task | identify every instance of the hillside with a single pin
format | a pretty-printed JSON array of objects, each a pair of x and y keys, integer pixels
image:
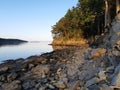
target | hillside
[{"x": 10, "y": 41}]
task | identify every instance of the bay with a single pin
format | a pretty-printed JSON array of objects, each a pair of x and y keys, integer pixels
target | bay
[{"x": 24, "y": 50}]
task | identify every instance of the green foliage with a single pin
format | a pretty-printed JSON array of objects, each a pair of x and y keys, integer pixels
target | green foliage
[{"x": 80, "y": 21}]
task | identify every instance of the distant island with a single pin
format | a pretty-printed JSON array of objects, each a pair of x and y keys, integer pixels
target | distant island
[{"x": 4, "y": 41}]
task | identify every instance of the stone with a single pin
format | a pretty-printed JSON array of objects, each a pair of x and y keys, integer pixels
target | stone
[
  {"x": 104, "y": 87},
  {"x": 116, "y": 77},
  {"x": 41, "y": 88},
  {"x": 31, "y": 66},
  {"x": 110, "y": 68},
  {"x": 116, "y": 80},
  {"x": 38, "y": 71},
  {"x": 102, "y": 75},
  {"x": 51, "y": 60},
  {"x": 76, "y": 85},
  {"x": 97, "y": 53},
  {"x": 51, "y": 86},
  {"x": 2, "y": 78},
  {"x": 84, "y": 88},
  {"x": 58, "y": 71},
  {"x": 1, "y": 84},
  {"x": 11, "y": 77},
  {"x": 94, "y": 87},
  {"x": 116, "y": 53},
  {"x": 15, "y": 85},
  {"x": 3, "y": 69},
  {"x": 92, "y": 81},
  {"x": 118, "y": 33},
  {"x": 60, "y": 85},
  {"x": 28, "y": 84}
]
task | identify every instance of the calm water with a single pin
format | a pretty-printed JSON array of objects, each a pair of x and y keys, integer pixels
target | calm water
[{"x": 24, "y": 50}]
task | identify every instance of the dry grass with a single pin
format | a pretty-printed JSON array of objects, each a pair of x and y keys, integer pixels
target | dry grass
[{"x": 69, "y": 42}]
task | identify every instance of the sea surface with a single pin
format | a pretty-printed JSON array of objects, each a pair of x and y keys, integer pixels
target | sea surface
[{"x": 24, "y": 50}]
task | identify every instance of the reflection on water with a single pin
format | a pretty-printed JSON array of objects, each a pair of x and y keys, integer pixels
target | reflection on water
[
  {"x": 12, "y": 45},
  {"x": 24, "y": 50}
]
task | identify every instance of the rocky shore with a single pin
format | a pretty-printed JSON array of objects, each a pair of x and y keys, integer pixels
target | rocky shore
[{"x": 76, "y": 68}]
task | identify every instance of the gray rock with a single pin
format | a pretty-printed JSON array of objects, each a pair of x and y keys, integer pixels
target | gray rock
[
  {"x": 97, "y": 53},
  {"x": 94, "y": 87},
  {"x": 84, "y": 88},
  {"x": 15, "y": 85},
  {"x": 11, "y": 77},
  {"x": 3, "y": 69},
  {"x": 92, "y": 81},
  {"x": 116, "y": 53},
  {"x": 110, "y": 68},
  {"x": 2, "y": 78},
  {"x": 50, "y": 86},
  {"x": 60, "y": 85},
  {"x": 116, "y": 77},
  {"x": 41, "y": 88},
  {"x": 28, "y": 84},
  {"x": 102, "y": 75},
  {"x": 38, "y": 71},
  {"x": 104, "y": 87}
]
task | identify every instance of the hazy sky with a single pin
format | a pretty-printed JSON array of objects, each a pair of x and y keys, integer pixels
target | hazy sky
[{"x": 31, "y": 19}]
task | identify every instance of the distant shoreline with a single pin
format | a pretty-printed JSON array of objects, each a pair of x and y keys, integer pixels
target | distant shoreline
[{"x": 11, "y": 41}]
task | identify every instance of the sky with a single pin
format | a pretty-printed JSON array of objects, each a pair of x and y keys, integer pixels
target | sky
[{"x": 31, "y": 19}]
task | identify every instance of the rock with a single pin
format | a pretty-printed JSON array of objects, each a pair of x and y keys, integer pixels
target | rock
[
  {"x": 117, "y": 47},
  {"x": 118, "y": 33},
  {"x": 3, "y": 69},
  {"x": 116, "y": 53},
  {"x": 1, "y": 84},
  {"x": 102, "y": 75},
  {"x": 15, "y": 85},
  {"x": 104, "y": 87},
  {"x": 51, "y": 86},
  {"x": 109, "y": 69},
  {"x": 75, "y": 86},
  {"x": 94, "y": 87},
  {"x": 31, "y": 66},
  {"x": 51, "y": 60},
  {"x": 116, "y": 77},
  {"x": 35, "y": 60},
  {"x": 38, "y": 71},
  {"x": 2, "y": 78},
  {"x": 118, "y": 42},
  {"x": 60, "y": 85},
  {"x": 28, "y": 84},
  {"x": 41, "y": 88},
  {"x": 97, "y": 53},
  {"x": 92, "y": 81},
  {"x": 84, "y": 88},
  {"x": 58, "y": 71},
  {"x": 11, "y": 77}
]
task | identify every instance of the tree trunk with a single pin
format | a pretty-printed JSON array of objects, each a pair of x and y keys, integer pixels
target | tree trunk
[
  {"x": 107, "y": 13},
  {"x": 117, "y": 6}
]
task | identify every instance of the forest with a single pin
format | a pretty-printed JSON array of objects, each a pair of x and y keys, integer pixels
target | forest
[{"x": 88, "y": 20}]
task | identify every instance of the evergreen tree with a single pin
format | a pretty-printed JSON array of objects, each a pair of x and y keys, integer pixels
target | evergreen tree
[{"x": 86, "y": 20}]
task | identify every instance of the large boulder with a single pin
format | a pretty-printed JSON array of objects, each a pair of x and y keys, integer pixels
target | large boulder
[
  {"x": 38, "y": 71},
  {"x": 116, "y": 77},
  {"x": 97, "y": 53},
  {"x": 15, "y": 85},
  {"x": 92, "y": 81}
]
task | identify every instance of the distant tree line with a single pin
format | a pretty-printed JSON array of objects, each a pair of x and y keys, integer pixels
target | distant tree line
[{"x": 88, "y": 19}]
